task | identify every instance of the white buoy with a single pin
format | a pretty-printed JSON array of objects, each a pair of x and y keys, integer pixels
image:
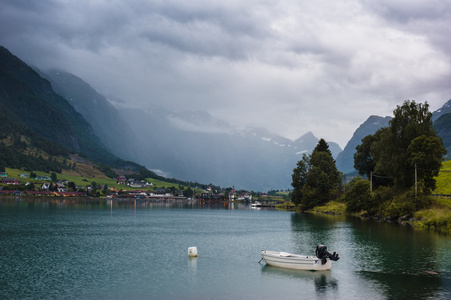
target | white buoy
[{"x": 192, "y": 252}]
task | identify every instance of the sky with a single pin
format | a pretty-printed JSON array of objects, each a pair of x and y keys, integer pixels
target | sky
[{"x": 287, "y": 66}]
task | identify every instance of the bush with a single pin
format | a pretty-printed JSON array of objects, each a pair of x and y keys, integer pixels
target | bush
[
  {"x": 406, "y": 204},
  {"x": 359, "y": 196},
  {"x": 382, "y": 195},
  {"x": 440, "y": 224}
]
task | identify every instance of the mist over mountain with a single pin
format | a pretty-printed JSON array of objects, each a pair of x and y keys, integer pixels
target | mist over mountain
[
  {"x": 106, "y": 122},
  {"x": 187, "y": 145},
  {"x": 195, "y": 146},
  {"x": 31, "y": 107}
]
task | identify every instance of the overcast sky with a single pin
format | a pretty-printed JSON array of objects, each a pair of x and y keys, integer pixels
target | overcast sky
[{"x": 289, "y": 66}]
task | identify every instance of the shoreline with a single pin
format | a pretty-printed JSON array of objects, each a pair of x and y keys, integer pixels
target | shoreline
[{"x": 435, "y": 219}]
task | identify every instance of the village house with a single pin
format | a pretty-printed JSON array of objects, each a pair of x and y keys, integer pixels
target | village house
[
  {"x": 135, "y": 184},
  {"x": 3, "y": 174},
  {"x": 12, "y": 181},
  {"x": 24, "y": 175},
  {"x": 232, "y": 194},
  {"x": 60, "y": 187},
  {"x": 139, "y": 184},
  {"x": 9, "y": 192},
  {"x": 160, "y": 191},
  {"x": 245, "y": 197},
  {"x": 121, "y": 179}
]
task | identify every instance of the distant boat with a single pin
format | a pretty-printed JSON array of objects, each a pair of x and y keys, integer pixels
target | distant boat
[
  {"x": 256, "y": 204},
  {"x": 319, "y": 262}
]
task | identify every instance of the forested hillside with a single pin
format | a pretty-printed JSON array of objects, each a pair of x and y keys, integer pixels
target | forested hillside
[
  {"x": 106, "y": 122},
  {"x": 36, "y": 122}
]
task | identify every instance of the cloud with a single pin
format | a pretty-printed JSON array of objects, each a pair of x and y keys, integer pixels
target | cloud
[{"x": 291, "y": 67}]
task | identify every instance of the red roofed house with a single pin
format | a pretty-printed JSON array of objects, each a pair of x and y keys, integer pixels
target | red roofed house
[{"x": 13, "y": 181}]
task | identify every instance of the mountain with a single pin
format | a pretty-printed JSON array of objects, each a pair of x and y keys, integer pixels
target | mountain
[
  {"x": 441, "y": 122},
  {"x": 345, "y": 160},
  {"x": 445, "y": 109},
  {"x": 195, "y": 146},
  {"x": 192, "y": 146},
  {"x": 103, "y": 117},
  {"x": 443, "y": 127},
  {"x": 188, "y": 145},
  {"x": 32, "y": 111}
]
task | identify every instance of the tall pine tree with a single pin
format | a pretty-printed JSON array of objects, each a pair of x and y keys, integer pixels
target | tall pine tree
[{"x": 315, "y": 178}]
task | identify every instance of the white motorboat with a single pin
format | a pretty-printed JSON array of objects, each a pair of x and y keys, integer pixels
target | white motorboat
[
  {"x": 256, "y": 204},
  {"x": 319, "y": 262}
]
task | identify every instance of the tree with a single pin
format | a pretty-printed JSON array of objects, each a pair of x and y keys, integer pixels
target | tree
[
  {"x": 410, "y": 121},
  {"x": 358, "y": 197},
  {"x": 426, "y": 154},
  {"x": 188, "y": 192},
  {"x": 299, "y": 178},
  {"x": 322, "y": 146},
  {"x": 315, "y": 178},
  {"x": 93, "y": 188},
  {"x": 105, "y": 189},
  {"x": 53, "y": 177},
  {"x": 363, "y": 160},
  {"x": 393, "y": 151},
  {"x": 71, "y": 186}
]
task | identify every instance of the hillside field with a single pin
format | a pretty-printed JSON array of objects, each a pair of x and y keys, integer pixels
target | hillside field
[
  {"x": 444, "y": 179},
  {"x": 99, "y": 178}
]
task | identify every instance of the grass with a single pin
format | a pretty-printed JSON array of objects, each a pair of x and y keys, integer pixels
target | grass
[
  {"x": 90, "y": 175},
  {"x": 444, "y": 179},
  {"x": 435, "y": 218},
  {"x": 287, "y": 205},
  {"x": 331, "y": 207},
  {"x": 272, "y": 197}
]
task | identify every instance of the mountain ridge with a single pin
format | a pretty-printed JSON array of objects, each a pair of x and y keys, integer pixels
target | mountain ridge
[
  {"x": 345, "y": 159},
  {"x": 191, "y": 146}
]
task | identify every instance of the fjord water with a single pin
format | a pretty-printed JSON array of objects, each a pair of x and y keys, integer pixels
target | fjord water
[{"x": 55, "y": 249}]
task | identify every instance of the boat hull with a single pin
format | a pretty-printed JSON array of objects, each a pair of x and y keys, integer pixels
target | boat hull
[{"x": 294, "y": 261}]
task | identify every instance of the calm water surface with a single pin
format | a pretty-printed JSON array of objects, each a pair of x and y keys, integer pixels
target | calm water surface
[{"x": 97, "y": 250}]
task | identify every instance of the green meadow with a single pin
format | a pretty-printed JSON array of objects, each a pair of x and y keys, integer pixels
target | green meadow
[
  {"x": 444, "y": 179},
  {"x": 83, "y": 181}
]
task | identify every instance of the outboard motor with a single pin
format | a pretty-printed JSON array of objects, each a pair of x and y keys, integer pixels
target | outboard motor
[{"x": 321, "y": 253}]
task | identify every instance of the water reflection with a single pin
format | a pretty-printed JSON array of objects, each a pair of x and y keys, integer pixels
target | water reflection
[
  {"x": 114, "y": 203},
  {"x": 69, "y": 248},
  {"x": 408, "y": 286},
  {"x": 400, "y": 262},
  {"x": 323, "y": 281},
  {"x": 309, "y": 230}
]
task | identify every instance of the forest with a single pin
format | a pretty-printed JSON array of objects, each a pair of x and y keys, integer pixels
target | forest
[{"x": 397, "y": 167}]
